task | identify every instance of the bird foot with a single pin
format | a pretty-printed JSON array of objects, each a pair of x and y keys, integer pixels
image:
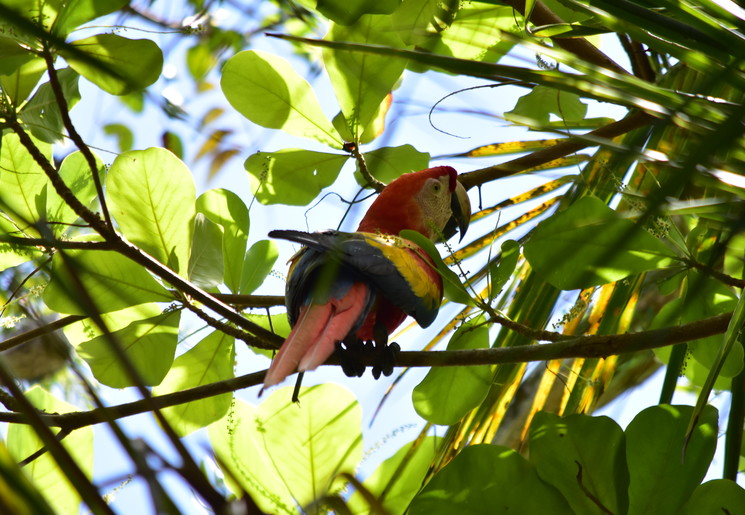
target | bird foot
[{"x": 354, "y": 352}]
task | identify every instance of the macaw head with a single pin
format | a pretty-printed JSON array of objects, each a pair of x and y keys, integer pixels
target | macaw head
[{"x": 432, "y": 202}]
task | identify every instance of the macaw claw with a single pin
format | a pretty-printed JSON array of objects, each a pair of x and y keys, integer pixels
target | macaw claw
[{"x": 354, "y": 352}]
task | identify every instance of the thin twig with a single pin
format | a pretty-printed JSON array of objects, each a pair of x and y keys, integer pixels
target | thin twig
[{"x": 72, "y": 132}]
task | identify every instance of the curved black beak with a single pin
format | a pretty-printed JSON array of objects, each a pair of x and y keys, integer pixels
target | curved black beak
[{"x": 460, "y": 213}]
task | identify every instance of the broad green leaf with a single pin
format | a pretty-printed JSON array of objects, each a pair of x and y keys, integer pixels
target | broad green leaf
[
  {"x": 362, "y": 81},
  {"x": 77, "y": 12},
  {"x": 226, "y": 209},
  {"x": 209, "y": 361},
  {"x": 206, "y": 259},
  {"x": 23, "y": 184},
  {"x": 282, "y": 451},
  {"x": 150, "y": 345},
  {"x": 21, "y": 78},
  {"x": 590, "y": 244},
  {"x": 277, "y": 323},
  {"x": 44, "y": 472},
  {"x": 388, "y": 163},
  {"x": 417, "y": 21},
  {"x": 238, "y": 442},
  {"x": 121, "y": 65},
  {"x": 86, "y": 329},
  {"x": 42, "y": 112},
  {"x": 582, "y": 456},
  {"x": 487, "y": 478},
  {"x": 717, "y": 496},
  {"x": 662, "y": 476},
  {"x": 259, "y": 261},
  {"x": 78, "y": 176},
  {"x": 265, "y": 89},
  {"x": 446, "y": 394},
  {"x": 500, "y": 272},
  {"x": 400, "y": 476},
  {"x": 292, "y": 176},
  {"x": 21, "y": 495},
  {"x": 536, "y": 107},
  {"x": 476, "y": 33},
  {"x": 375, "y": 128},
  {"x": 454, "y": 290},
  {"x": 111, "y": 280},
  {"x": 151, "y": 195},
  {"x": 346, "y": 13}
]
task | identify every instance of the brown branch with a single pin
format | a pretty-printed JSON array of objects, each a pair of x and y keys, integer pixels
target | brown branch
[
  {"x": 542, "y": 15},
  {"x": 72, "y": 132},
  {"x": 364, "y": 171},
  {"x": 23, "y": 337},
  {"x": 571, "y": 145},
  {"x": 716, "y": 274},
  {"x": 590, "y": 346}
]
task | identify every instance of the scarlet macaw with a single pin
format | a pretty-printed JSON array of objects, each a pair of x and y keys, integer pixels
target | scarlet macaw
[{"x": 360, "y": 286}]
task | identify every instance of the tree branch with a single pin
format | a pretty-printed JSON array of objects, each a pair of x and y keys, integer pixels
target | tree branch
[
  {"x": 571, "y": 145},
  {"x": 542, "y": 15},
  {"x": 589, "y": 346},
  {"x": 72, "y": 132}
]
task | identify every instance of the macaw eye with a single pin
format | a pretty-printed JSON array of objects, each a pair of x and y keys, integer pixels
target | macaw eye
[{"x": 436, "y": 186}]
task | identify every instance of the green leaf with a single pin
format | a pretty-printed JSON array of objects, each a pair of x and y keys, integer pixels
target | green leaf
[
  {"x": 476, "y": 33},
  {"x": 209, "y": 361},
  {"x": 226, "y": 209},
  {"x": 23, "y": 184},
  {"x": 292, "y": 176},
  {"x": 77, "y": 175},
  {"x": 487, "y": 478},
  {"x": 717, "y": 496},
  {"x": 42, "y": 112},
  {"x": 361, "y": 82},
  {"x": 388, "y": 163},
  {"x": 151, "y": 195},
  {"x": 206, "y": 259},
  {"x": 265, "y": 89},
  {"x": 259, "y": 261},
  {"x": 584, "y": 458},
  {"x": 277, "y": 323},
  {"x": 150, "y": 344},
  {"x": 283, "y": 453},
  {"x": 590, "y": 244},
  {"x": 121, "y": 65},
  {"x": 346, "y": 13},
  {"x": 77, "y": 12},
  {"x": 536, "y": 107},
  {"x": 21, "y": 493},
  {"x": 110, "y": 279},
  {"x": 399, "y": 477},
  {"x": 417, "y": 21},
  {"x": 446, "y": 394},
  {"x": 662, "y": 476},
  {"x": 19, "y": 77},
  {"x": 44, "y": 472},
  {"x": 454, "y": 290},
  {"x": 501, "y": 271}
]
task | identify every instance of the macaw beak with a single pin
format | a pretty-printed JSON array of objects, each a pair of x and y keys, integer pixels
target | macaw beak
[{"x": 460, "y": 209}]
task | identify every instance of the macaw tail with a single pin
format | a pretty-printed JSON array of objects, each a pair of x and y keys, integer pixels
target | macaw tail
[{"x": 316, "y": 332}]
